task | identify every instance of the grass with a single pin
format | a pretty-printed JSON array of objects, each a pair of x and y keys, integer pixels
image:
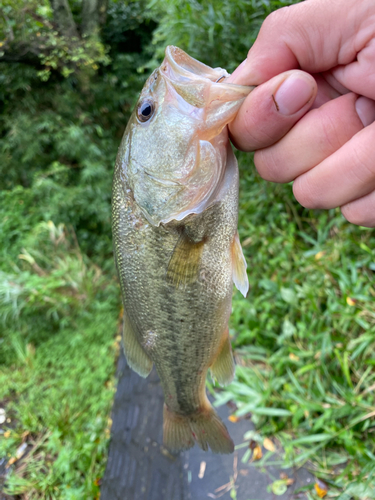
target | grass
[
  {"x": 304, "y": 342},
  {"x": 57, "y": 376},
  {"x": 62, "y": 398}
]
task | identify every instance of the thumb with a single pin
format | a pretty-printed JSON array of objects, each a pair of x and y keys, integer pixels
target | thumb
[
  {"x": 271, "y": 110},
  {"x": 314, "y": 36}
]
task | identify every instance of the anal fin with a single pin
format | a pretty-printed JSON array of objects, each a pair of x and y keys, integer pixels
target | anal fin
[
  {"x": 135, "y": 355},
  {"x": 239, "y": 266},
  {"x": 184, "y": 265},
  {"x": 223, "y": 367}
]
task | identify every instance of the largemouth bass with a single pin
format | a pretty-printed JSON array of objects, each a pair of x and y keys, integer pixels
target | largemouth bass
[{"x": 177, "y": 251}]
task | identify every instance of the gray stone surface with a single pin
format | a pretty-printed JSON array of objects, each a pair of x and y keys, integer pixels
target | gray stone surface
[{"x": 140, "y": 468}]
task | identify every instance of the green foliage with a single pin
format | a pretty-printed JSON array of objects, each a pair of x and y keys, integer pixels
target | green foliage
[
  {"x": 31, "y": 23},
  {"x": 52, "y": 285},
  {"x": 218, "y": 33},
  {"x": 58, "y": 146},
  {"x": 305, "y": 335},
  {"x": 64, "y": 391}
]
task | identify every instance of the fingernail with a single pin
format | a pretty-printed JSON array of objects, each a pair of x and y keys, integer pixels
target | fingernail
[
  {"x": 365, "y": 108},
  {"x": 236, "y": 73},
  {"x": 243, "y": 75},
  {"x": 293, "y": 94}
]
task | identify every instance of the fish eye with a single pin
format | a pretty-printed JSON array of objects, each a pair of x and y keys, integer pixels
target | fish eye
[{"x": 145, "y": 110}]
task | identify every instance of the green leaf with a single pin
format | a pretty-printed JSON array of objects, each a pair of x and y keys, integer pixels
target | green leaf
[
  {"x": 279, "y": 487},
  {"x": 289, "y": 296},
  {"x": 312, "y": 438},
  {"x": 272, "y": 412}
]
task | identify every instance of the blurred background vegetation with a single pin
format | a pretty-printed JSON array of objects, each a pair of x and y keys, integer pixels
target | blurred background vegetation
[{"x": 304, "y": 337}]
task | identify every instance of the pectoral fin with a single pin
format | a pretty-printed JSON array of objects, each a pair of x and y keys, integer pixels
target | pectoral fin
[
  {"x": 135, "y": 355},
  {"x": 239, "y": 266},
  {"x": 183, "y": 268}
]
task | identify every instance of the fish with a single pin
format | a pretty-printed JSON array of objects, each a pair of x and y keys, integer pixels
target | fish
[{"x": 176, "y": 245}]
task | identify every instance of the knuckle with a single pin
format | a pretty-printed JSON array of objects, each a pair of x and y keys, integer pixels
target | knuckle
[
  {"x": 364, "y": 161},
  {"x": 275, "y": 19},
  {"x": 331, "y": 138}
]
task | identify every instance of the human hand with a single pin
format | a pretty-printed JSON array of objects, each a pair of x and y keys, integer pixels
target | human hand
[{"x": 311, "y": 119}]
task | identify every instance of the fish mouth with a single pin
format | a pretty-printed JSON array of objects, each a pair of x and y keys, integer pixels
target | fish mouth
[
  {"x": 198, "y": 84},
  {"x": 186, "y": 66}
]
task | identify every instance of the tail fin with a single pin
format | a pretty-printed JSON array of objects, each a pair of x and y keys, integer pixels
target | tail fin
[
  {"x": 205, "y": 427},
  {"x": 176, "y": 431}
]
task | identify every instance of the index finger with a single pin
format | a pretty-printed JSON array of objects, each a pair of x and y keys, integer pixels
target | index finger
[{"x": 314, "y": 36}]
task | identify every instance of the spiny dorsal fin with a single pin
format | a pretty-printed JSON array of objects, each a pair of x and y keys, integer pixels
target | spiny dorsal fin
[
  {"x": 239, "y": 266},
  {"x": 183, "y": 268}
]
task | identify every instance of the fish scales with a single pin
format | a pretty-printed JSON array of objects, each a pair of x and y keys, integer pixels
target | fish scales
[{"x": 176, "y": 271}]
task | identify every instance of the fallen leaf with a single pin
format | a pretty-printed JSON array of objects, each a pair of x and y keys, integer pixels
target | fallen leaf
[
  {"x": 233, "y": 418},
  {"x": 25, "y": 435},
  {"x": 257, "y": 453},
  {"x": 293, "y": 357},
  {"x": 319, "y": 255},
  {"x": 350, "y": 301},
  {"x": 268, "y": 444},
  {"x": 321, "y": 488},
  {"x": 288, "y": 480}
]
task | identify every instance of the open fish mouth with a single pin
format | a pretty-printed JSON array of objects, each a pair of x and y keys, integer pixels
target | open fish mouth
[
  {"x": 194, "y": 80},
  {"x": 186, "y": 66}
]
